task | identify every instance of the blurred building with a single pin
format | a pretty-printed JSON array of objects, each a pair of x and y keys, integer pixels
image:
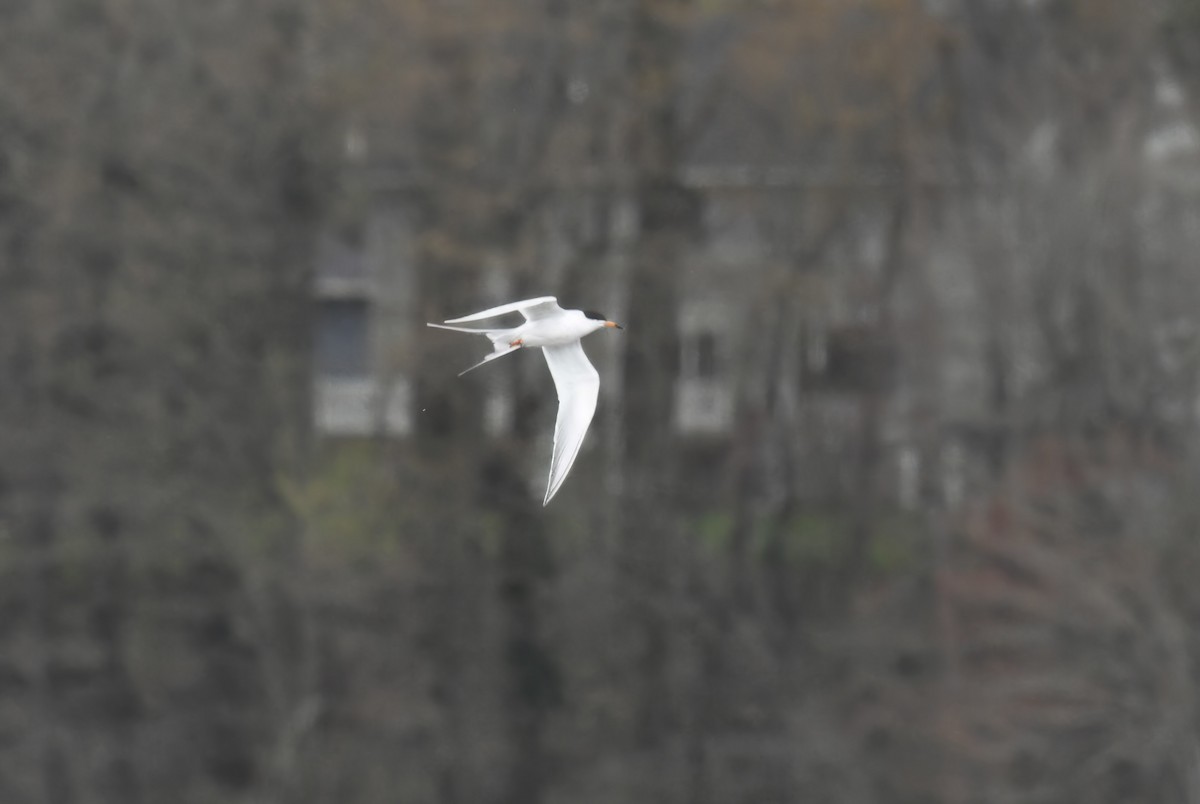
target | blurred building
[
  {"x": 791, "y": 257},
  {"x": 365, "y": 302},
  {"x": 367, "y": 314}
]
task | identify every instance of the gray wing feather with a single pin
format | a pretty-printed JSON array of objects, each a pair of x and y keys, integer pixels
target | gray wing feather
[
  {"x": 578, "y": 387},
  {"x": 532, "y": 309}
]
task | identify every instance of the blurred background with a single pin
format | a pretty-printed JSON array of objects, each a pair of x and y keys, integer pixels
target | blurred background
[{"x": 891, "y": 495}]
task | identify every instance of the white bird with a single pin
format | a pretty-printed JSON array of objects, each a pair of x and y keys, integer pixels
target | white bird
[{"x": 557, "y": 332}]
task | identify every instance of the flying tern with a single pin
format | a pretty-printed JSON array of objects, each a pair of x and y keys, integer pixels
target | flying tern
[{"x": 557, "y": 332}]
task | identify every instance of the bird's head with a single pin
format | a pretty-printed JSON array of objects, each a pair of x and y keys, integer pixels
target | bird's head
[{"x": 601, "y": 320}]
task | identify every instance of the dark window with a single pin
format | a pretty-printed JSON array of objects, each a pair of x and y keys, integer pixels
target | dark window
[
  {"x": 706, "y": 355},
  {"x": 341, "y": 342},
  {"x": 848, "y": 358},
  {"x": 699, "y": 356}
]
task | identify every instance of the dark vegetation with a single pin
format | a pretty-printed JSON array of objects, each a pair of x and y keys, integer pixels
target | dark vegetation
[{"x": 203, "y": 601}]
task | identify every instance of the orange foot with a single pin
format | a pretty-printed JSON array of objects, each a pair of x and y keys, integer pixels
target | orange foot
[{"x": 517, "y": 342}]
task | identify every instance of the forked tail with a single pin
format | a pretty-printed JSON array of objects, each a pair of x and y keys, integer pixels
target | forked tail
[{"x": 501, "y": 342}]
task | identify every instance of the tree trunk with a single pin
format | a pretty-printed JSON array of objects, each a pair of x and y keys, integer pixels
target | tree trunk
[{"x": 667, "y": 218}]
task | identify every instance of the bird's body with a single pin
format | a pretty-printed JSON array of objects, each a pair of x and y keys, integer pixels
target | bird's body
[
  {"x": 571, "y": 326},
  {"x": 557, "y": 332}
]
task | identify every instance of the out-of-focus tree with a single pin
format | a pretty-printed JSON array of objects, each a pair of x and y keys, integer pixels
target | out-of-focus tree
[
  {"x": 201, "y": 604},
  {"x": 1079, "y": 285},
  {"x": 158, "y": 174},
  {"x": 1071, "y": 678}
]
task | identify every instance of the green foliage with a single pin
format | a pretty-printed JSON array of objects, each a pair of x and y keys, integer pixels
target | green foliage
[
  {"x": 897, "y": 543},
  {"x": 815, "y": 539},
  {"x": 346, "y": 505},
  {"x": 808, "y": 539},
  {"x": 713, "y": 530}
]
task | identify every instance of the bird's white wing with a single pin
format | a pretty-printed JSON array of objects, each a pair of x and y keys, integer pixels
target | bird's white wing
[
  {"x": 578, "y": 386},
  {"x": 532, "y": 309}
]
